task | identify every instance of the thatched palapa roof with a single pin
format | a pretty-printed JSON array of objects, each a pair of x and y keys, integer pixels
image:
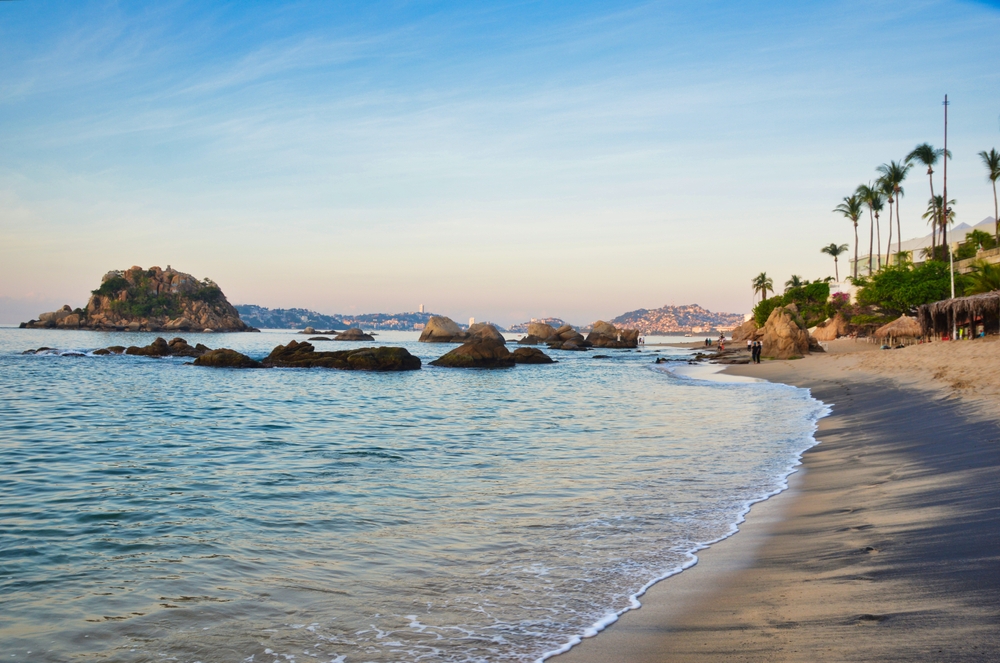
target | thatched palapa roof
[
  {"x": 939, "y": 316},
  {"x": 901, "y": 327}
]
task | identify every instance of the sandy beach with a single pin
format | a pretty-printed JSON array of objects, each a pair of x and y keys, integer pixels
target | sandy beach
[{"x": 887, "y": 545}]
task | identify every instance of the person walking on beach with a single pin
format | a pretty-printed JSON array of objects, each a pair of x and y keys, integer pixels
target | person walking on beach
[{"x": 755, "y": 352}]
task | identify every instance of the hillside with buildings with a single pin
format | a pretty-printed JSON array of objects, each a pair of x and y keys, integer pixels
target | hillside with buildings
[
  {"x": 677, "y": 319},
  {"x": 299, "y": 318}
]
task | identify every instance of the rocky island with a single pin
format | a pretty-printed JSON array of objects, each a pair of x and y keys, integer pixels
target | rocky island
[{"x": 151, "y": 299}]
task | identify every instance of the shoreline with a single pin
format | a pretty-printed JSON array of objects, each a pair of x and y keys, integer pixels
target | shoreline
[{"x": 851, "y": 562}]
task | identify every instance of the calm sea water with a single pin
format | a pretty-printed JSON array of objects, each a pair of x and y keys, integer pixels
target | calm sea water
[{"x": 152, "y": 510}]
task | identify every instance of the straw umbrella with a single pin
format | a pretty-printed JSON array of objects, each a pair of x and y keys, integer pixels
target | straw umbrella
[{"x": 902, "y": 327}]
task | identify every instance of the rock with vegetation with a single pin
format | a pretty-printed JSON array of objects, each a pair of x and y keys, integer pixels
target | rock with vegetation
[
  {"x": 477, "y": 354},
  {"x": 226, "y": 358},
  {"x": 606, "y": 335},
  {"x": 530, "y": 356},
  {"x": 353, "y": 334},
  {"x": 151, "y": 299},
  {"x": 442, "y": 329},
  {"x": 785, "y": 336},
  {"x": 304, "y": 355}
]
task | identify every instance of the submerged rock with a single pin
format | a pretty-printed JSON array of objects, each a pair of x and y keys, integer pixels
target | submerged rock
[
  {"x": 226, "y": 358},
  {"x": 304, "y": 355},
  {"x": 530, "y": 356},
  {"x": 477, "y": 354},
  {"x": 353, "y": 334},
  {"x": 177, "y": 347}
]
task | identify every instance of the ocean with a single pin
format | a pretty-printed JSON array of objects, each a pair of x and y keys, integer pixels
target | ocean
[{"x": 151, "y": 510}]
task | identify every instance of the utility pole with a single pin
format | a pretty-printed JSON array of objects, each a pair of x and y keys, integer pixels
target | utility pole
[{"x": 944, "y": 221}]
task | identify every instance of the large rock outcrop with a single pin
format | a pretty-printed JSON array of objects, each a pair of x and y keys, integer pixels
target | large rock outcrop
[
  {"x": 832, "y": 329},
  {"x": 484, "y": 331},
  {"x": 442, "y": 329},
  {"x": 745, "y": 331},
  {"x": 477, "y": 354},
  {"x": 784, "y": 335},
  {"x": 606, "y": 335},
  {"x": 151, "y": 299},
  {"x": 304, "y": 355}
]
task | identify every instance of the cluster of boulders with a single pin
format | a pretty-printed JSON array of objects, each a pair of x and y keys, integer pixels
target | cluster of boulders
[
  {"x": 304, "y": 355},
  {"x": 602, "y": 335},
  {"x": 193, "y": 305},
  {"x": 490, "y": 353}
]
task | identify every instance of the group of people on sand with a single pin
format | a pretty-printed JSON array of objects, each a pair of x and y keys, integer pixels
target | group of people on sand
[{"x": 754, "y": 348}]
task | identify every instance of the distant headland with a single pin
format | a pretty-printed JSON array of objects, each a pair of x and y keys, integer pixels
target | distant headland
[{"x": 151, "y": 299}]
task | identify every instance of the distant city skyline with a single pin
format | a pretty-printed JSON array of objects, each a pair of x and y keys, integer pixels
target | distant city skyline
[{"x": 501, "y": 162}]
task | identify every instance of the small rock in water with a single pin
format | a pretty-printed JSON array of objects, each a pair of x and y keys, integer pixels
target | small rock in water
[{"x": 531, "y": 356}]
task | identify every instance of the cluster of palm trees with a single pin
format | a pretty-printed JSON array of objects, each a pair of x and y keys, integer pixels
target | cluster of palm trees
[{"x": 888, "y": 189}]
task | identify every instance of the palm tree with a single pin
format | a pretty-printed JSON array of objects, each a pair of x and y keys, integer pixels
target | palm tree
[
  {"x": 983, "y": 277},
  {"x": 851, "y": 208},
  {"x": 794, "y": 282},
  {"x": 885, "y": 188},
  {"x": 872, "y": 199},
  {"x": 927, "y": 155},
  {"x": 893, "y": 174},
  {"x": 991, "y": 160},
  {"x": 834, "y": 250},
  {"x": 762, "y": 283},
  {"x": 934, "y": 212}
]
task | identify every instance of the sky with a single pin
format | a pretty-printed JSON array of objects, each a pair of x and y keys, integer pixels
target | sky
[{"x": 501, "y": 160}]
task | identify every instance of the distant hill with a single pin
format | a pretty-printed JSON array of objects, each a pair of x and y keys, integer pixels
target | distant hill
[
  {"x": 522, "y": 328},
  {"x": 676, "y": 319},
  {"x": 286, "y": 318},
  {"x": 299, "y": 318}
]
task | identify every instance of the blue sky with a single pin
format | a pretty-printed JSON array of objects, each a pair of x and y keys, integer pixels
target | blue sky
[{"x": 501, "y": 160}]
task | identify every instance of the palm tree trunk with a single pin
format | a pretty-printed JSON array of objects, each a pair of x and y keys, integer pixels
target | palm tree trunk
[
  {"x": 888, "y": 242},
  {"x": 878, "y": 233},
  {"x": 899, "y": 232},
  {"x": 871, "y": 240},
  {"x": 930, "y": 178},
  {"x": 996, "y": 219},
  {"x": 836, "y": 271},
  {"x": 855, "y": 248}
]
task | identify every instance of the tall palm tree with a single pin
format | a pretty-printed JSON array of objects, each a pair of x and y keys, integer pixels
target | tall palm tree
[
  {"x": 762, "y": 283},
  {"x": 834, "y": 250},
  {"x": 927, "y": 155},
  {"x": 991, "y": 160},
  {"x": 885, "y": 188},
  {"x": 893, "y": 175},
  {"x": 851, "y": 208},
  {"x": 872, "y": 199}
]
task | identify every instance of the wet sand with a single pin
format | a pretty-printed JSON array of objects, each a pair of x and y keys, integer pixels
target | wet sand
[{"x": 887, "y": 545}]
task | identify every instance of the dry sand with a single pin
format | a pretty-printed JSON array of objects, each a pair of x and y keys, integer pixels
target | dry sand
[{"x": 887, "y": 546}]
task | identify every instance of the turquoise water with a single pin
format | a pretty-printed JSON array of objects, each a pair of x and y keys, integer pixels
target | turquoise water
[{"x": 153, "y": 510}]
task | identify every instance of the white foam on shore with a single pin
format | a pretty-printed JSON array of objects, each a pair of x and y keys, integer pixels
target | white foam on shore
[{"x": 711, "y": 373}]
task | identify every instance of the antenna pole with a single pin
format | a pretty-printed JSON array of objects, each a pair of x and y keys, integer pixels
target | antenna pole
[{"x": 944, "y": 221}]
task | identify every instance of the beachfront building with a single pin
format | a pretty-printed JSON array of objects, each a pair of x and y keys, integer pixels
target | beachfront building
[{"x": 914, "y": 248}]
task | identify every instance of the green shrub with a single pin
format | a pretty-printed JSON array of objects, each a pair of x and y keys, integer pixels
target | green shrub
[
  {"x": 112, "y": 287},
  {"x": 899, "y": 289},
  {"x": 763, "y": 309}
]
